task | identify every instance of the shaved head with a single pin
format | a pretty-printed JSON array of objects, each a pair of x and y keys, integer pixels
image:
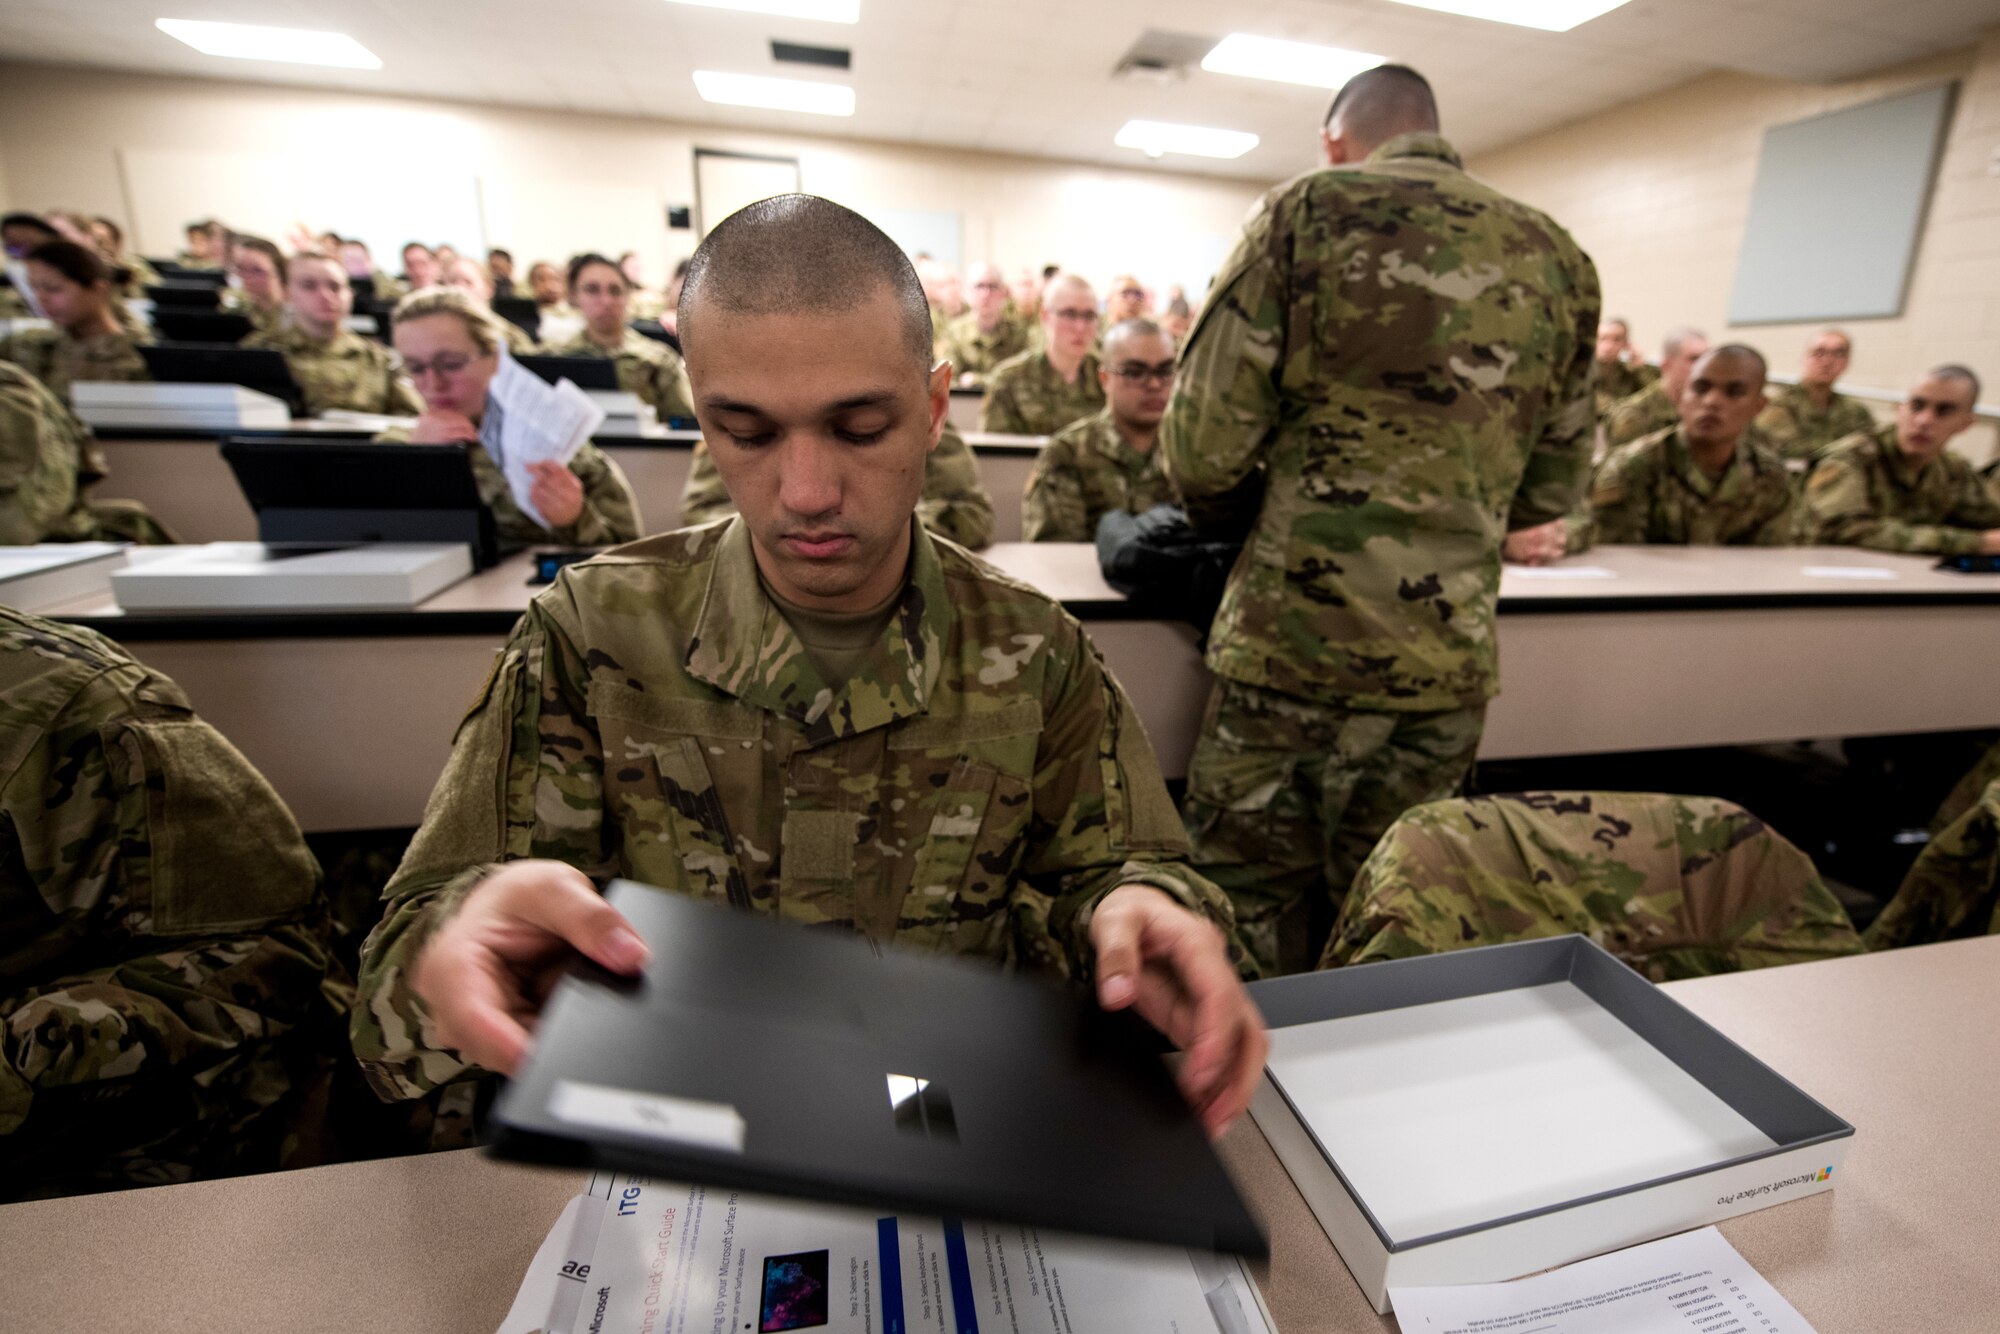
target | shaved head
[
  {"x": 800, "y": 254},
  {"x": 1748, "y": 357},
  {"x": 1374, "y": 107}
]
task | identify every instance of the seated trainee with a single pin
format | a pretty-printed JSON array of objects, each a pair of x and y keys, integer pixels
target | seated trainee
[
  {"x": 601, "y": 294},
  {"x": 73, "y": 287},
  {"x": 1107, "y": 461},
  {"x": 1804, "y": 418},
  {"x": 791, "y": 712},
  {"x": 1045, "y": 388},
  {"x": 467, "y": 276},
  {"x": 47, "y": 460},
  {"x": 953, "y": 503},
  {"x": 450, "y": 348},
  {"x": 335, "y": 367},
  {"x": 257, "y": 291},
  {"x": 1657, "y": 406},
  {"x": 1897, "y": 488},
  {"x": 168, "y": 1000},
  {"x": 1707, "y": 481}
]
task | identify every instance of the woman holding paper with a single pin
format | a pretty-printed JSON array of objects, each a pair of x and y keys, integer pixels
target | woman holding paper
[{"x": 450, "y": 348}]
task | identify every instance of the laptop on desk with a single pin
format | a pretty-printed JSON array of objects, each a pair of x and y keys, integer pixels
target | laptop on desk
[
  {"x": 332, "y": 492},
  {"x": 583, "y": 372},
  {"x": 261, "y": 368},
  {"x": 772, "y": 1057},
  {"x": 183, "y": 325}
]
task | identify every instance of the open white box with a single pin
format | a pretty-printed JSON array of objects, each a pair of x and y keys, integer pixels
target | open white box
[
  {"x": 1475, "y": 1116},
  {"x": 239, "y": 576}
]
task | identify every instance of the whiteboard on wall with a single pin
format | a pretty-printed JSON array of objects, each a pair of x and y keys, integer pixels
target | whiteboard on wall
[
  {"x": 1837, "y": 210},
  {"x": 384, "y": 204},
  {"x": 937, "y": 233},
  {"x": 725, "y": 182}
]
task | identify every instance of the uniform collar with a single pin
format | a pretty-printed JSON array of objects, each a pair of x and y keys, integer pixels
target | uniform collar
[
  {"x": 744, "y": 646},
  {"x": 1418, "y": 145},
  {"x": 1680, "y": 456},
  {"x": 1903, "y": 470}
]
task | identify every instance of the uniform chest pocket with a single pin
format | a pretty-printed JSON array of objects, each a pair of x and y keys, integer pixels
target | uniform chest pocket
[{"x": 672, "y": 823}]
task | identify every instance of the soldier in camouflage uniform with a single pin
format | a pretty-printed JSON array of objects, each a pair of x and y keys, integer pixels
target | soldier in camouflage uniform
[
  {"x": 646, "y": 367},
  {"x": 1657, "y": 406},
  {"x": 1401, "y": 357},
  {"x": 1109, "y": 461},
  {"x": 450, "y": 347},
  {"x": 334, "y": 367},
  {"x": 1953, "y": 889},
  {"x": 985, "y": 335},
  {"x": 1702, "y": 483},
  {"x": 1898, "y": 488},
  {"x": 258, "y": 292},
  {"x": 1804, "y": 418},
  {"x": 812, "y": 711},
  {"x": 469, "y": 276},
  {"x": 89, "y": 341},
  {"x": 1043, "y": 390},
  {"x": 953, "y": 503},
  {"x": 1677, "y": 887},
  {"x": 47, "y": 459},
  {"x": 1621, "y": 372},
  {"x": 166, "y": 993}
]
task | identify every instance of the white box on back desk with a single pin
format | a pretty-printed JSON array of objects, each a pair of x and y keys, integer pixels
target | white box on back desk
[
  {"x": 221, "y": 407},
  {"x": 249, "y": 576},
  {"x": 1476, "y": 1116},
  {"x": 50, "y": 572}
]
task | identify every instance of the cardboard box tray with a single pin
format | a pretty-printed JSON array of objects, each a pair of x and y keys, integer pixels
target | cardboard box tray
[{"x": 1475, "y": 1116}]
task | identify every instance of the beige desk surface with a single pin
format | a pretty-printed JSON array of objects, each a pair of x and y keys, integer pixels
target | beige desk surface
[{"x": 1903, "y": 1045}]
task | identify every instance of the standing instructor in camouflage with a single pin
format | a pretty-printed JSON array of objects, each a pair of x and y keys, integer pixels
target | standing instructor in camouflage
[{"x": 1400, "y": 357}]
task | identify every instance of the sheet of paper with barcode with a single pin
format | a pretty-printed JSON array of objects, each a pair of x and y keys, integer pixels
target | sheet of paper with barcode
[{"x": 1680, "y": 1285}]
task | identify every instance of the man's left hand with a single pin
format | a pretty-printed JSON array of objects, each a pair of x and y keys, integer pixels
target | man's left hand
[{"x": 1168, "y": 963}]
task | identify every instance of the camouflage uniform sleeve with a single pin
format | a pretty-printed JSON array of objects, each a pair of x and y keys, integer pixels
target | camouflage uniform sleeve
[
  {"x": 171, "y": 855},
  {"x": 1557, "y": 471},
  {"x": 1053, "y": 509},
  {"x": 1104, "y": 815},
  {"x": 1626, "y": 423},
  {"x": 1225, "y": 401},
  {"x": 704, "y": 498},
  {"x": 525, "y": 779},
  {"x": 1976, "y": 507},
  {"x": 674, "y": 396},
  {"x": 954, "y": 503},
  {"x": 1000, "y": 413},
  {"x": 1618, "y": 499},
  {"x": 1839, "y": 513},
  {"x": 610, "y": 510},
  {"x": 1782, "y": 528},
  {"x": 29, "y": 502}
]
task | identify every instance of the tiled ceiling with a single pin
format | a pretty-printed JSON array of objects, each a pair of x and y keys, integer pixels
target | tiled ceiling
[{"x": 1016, "y": 76}]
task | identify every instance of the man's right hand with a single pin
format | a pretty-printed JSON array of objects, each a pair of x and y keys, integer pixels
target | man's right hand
[
  {"x": 486, "y": 973},
  {"x": 1543, "y": 544},
  {"x": 1989, "y": 542},
  {"x": 443, "y": 428}
]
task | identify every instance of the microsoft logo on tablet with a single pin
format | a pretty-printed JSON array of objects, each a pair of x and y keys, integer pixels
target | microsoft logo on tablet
[{"x": 922, "y": 1108}]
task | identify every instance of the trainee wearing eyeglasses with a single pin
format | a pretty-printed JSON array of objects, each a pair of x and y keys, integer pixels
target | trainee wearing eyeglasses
[
  {"x": 1108, "y": 460},
  {"x": 450, "y": 349}
]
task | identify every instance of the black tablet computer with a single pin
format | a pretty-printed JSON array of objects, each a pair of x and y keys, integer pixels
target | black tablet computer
[
  {"x": 261, "y": 368},
  {"x": 774, "y": 1057},
  {"x": 331, "y": 492},
  {"x": 583, "y": 372},
  {"x": 182, "y": 325}
]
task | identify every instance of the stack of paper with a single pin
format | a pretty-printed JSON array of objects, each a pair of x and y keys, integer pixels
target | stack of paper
[
  {"x": 206, "y": 407},
  {"x": 538, "y": 422}
]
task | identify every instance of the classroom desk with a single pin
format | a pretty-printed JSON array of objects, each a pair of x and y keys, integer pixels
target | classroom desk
[
  {"x": 1901, "y": 1044},
  {"x": 181, "y": 476},
  {"x": 1683, "y": 647}
]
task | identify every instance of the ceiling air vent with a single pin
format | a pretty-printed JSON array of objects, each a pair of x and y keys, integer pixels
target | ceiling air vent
[
  {"x": 1162, "y": 57},
  {"x": 826, "y": 57}
]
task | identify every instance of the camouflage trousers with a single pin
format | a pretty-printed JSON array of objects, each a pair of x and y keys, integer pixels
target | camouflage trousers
[{"x": 1286, "y": 797}]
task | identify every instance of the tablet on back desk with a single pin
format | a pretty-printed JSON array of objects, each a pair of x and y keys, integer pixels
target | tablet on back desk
[{"x": 772, "y": 1057}]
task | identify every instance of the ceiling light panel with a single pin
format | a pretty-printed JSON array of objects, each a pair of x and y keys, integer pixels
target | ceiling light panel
[
  {"x": 826, "y": 11},
  {"x": 1272, "y": 58},
  {"x": 759, "y": 90},
  {"x": 251, "y": 41},
  {"x": 1548, "y": 15},
  {"x": 1155, "y": 138}
]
